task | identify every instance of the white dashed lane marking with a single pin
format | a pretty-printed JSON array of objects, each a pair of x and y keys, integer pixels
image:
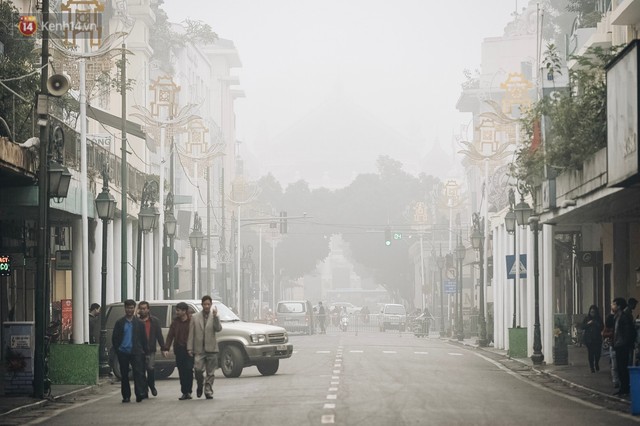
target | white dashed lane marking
[
  {"x": 389, "y": 352},
  {"x": 327, "y": 419}
]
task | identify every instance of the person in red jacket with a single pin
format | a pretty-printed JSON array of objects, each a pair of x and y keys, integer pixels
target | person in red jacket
[
  {"x": 178, "y": 335},
  {"x": 153, "y": 329}
]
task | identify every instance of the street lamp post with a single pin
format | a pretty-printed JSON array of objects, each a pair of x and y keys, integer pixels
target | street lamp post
[
  {"x": 170, "y": 232},
  {"x": 477, "y": 241},
  {"x": 106, "y": 208},
  {"x": 195, "y": 239},
  {"x": 460, "y": 253},
  {"x": 537, "y": 357},
  {"x": 147, "y": 220},
  {"x": 440, "y": 261},
  {"x": 524, "y": 216},
  {"x": 510, "y": 225}
]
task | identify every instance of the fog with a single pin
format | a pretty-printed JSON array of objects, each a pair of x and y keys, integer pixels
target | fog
[{"x": 341, "y": 82}]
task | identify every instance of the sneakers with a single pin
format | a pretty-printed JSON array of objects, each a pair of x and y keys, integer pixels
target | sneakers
[
  {"x": 209, "y": 396},
  {"x": 199, "y": 391},
  {"x": 185, "y": 396}
]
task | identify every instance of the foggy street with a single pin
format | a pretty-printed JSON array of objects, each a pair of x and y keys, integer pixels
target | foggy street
[{"x": 369, "y": 378}]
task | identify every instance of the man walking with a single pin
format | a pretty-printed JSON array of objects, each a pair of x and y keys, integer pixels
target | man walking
[
  {"x": 322, "y": 317},
  {"x": 623, "y": 339},
  {"x": 153, "y": 331},
  {"x": 203, "y": 346},
  {"x": 94, "y": 323},
  {"x": 179, "y": 335},
  {"x": 130, "y": 343}
]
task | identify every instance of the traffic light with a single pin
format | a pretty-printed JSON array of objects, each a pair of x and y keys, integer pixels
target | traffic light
[
  {"x": 387, "y": 236},
  {"x": 283, "y": 222}
]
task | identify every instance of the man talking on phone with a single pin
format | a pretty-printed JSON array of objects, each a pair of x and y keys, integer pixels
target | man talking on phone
[{"x": 203, "y": 346}]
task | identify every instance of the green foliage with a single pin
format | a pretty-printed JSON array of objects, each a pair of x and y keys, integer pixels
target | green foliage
[
  {"x": 573, "y": 119},
  {"x": 18, "y": 60},
  {"x": 166, "y": 42},
  {"x": 105, "y": 82},
  {"x": 359, "y": 212}
]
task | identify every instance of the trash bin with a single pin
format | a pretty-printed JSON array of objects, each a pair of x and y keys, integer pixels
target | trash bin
[{"x": 634, "y": 377}]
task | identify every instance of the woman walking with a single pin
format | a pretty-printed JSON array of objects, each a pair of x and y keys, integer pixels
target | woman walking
[{"x": 592, "y": 326}]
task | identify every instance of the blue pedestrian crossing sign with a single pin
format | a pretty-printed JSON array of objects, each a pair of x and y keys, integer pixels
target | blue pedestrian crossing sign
[
  {"x": 511, "y": 267},
  {"x": 450, "y": 286}
]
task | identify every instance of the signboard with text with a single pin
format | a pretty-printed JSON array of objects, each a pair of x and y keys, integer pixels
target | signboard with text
[{"x": 5, "y": 266}]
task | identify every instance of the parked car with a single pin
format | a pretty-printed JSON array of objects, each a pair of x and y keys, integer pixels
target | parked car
[
  {"x": 392, "y": 316},
  {"x": 295, "y": 316},
  {"x": 241, "y": 344}
]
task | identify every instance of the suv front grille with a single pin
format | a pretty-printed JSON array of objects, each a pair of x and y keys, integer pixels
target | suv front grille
[{"x": 277, "y": 338}]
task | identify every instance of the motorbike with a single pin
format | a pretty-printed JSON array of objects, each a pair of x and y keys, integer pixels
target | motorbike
[
  {"x": 420, "y": 325},
  {"x": 344, "y": 322}
]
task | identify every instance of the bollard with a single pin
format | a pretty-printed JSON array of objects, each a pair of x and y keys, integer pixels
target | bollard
[{"x": 634, "y": 378}]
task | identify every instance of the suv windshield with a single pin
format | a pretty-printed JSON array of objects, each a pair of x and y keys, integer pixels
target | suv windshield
[
  {"x": 224, "y": 313},
  {"x": 394, "y": 310}
]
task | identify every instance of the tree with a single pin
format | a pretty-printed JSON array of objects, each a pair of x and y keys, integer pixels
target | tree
[{"x": 19, "y": 71}]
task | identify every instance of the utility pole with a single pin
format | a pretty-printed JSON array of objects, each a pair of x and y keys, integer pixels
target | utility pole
[
  {"x": 42, "y": 272},
  {"x": 123, "y": 179},
  {"x": 208, "y": 175}
]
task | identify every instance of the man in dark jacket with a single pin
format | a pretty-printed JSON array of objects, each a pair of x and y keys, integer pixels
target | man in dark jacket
[
  {"x": 178, "y": 335},
  {"x": 624, "y": 336},
  {"x": 153, "y": 330},
  {"x": 129, "y": 341}
]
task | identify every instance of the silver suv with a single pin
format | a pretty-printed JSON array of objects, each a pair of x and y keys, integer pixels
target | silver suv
[
  {"x": 393, "y": 316},
  {"x": 241, "y": 344}
]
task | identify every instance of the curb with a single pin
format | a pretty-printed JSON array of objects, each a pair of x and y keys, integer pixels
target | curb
[{"x": 52, "y": 398}]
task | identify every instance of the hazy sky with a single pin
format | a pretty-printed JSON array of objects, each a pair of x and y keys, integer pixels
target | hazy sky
[{"x": 401, "y": 60}]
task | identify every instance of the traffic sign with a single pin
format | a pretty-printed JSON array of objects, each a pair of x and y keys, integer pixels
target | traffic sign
[
  {"x": 450, "y": 286},
  {"x": 511, "y": 267}
]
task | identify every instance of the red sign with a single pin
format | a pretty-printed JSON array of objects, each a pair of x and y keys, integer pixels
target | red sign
[
  {"x": 27, "y": 25},
  {"x": 67, "y": 318},
  {"x": 5, "y": 266}
]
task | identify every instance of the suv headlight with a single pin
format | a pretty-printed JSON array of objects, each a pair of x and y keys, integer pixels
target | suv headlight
[{"x": 258, "y": 338}]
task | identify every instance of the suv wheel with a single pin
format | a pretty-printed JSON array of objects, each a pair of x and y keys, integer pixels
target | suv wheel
[
  {"x": 231, "y": 361},
  {"x": 163, "y": 372},
  {"x": 269, "y": 367}
]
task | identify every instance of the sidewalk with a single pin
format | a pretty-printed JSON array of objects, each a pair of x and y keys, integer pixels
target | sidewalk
[{"x": 577, "y": 373}]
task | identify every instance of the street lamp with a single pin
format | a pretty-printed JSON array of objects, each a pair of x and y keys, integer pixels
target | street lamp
[
  {"x": 170, "y": 232},
  {"x": 477, "y": 241},
  {"x": 440, "y": 261},
  {"x": 460, "y": 253},
  {"x": 510, "y": 220},
  {"x": 537, "y": 357},
  {"x": 195, "y": 239},
  {"x": 147, "y": 220},
  {"x": 106, "y": 208}
]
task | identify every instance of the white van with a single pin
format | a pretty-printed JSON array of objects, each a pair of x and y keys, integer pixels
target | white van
[
  {"x": 393, "y": 316},
  {"x": 295, "y": 316}
]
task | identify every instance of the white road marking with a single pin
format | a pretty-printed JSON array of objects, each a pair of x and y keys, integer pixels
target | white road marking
[
  {"x": 335, "y": 378},
  {"x": 333, "y": 390},
  {"x": 323, "y": 352},
  {"x": 421, "y": 353},
  {"x": 71, "y": 407},
  {"x": 335, "y": 383},
  {"x": 328, "y": 419},
  {"x": 336, "y": 371},
  {"x": 337, "y": 365},
  {"x": 332, "y": 396},
  {"x": 329, "y": 406},
  {"x": 455, "y": 353},
  {"x": 389, "y": 352},
  {"x": 356, "y": 352}
]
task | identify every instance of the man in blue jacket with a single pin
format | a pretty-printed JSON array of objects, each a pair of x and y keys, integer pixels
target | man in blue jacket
[{"x": 129, "y": 341}]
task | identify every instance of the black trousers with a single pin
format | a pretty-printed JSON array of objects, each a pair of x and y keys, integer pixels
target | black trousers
[
  {"x": 137, "y": 367},
  {"x": 594, "y": 351},
  {"x": 622, "y": 359},
  {"x": 184, "y": 362}
]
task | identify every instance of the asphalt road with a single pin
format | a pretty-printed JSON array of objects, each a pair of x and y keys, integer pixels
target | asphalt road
[{"x": 347, "y": 379}]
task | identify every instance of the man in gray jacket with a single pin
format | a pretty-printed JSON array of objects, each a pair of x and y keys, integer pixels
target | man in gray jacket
[{"x": 203, "y": 346}]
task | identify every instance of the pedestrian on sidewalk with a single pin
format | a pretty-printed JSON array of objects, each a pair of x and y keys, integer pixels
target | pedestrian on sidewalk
[
  {"x": 607, "y": 337},
  {"x": 592, "y": 336},
  {"x": 94, "y": 323},
  {"x": 624, "y": 336},
  {"x": 203, "y": 346},
  {"x": 179, "y": 336},
  {"x": 153, "y": 331},
  {"x": 322, "y": 317},
  {"x": 130, "y": 343}
]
